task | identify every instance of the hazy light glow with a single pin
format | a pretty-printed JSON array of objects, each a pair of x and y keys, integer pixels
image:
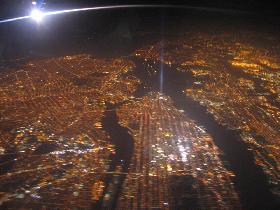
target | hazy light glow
[{"x": 37, "y": 15}]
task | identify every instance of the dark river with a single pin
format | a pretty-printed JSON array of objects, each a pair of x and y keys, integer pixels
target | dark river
[
  {"x": 125, "y": 32},
  {"x": 250, "y": 181}
]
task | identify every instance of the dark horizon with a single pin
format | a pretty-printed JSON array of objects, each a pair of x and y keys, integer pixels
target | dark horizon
[
  {"x": 13, "y": 8},
  {"x": 140, "y": 108}
]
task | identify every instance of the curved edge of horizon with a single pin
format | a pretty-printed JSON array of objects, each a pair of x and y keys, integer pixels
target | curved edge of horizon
[{"x": 49, "y": 13}]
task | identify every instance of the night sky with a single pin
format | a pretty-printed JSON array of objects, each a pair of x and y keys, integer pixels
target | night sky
[
  {"x": 119, "y": 32},
  {"x": 12, "y": 8},
  {"x": 12, "y": 45}
]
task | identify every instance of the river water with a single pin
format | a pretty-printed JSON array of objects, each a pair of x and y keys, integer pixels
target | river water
[{"x": 250, "y": 181}]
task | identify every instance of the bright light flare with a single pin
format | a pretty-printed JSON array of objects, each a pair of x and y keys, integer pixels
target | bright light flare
[{"x": 37, "y": 15}]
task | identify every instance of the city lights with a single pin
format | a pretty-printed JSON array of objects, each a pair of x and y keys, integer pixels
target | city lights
[
  {"x": 163, "y": 151},
  {"x": 74, "y": 167},
  {"x": 191, "y": 136},
  {"x": 241, "y": 93}
]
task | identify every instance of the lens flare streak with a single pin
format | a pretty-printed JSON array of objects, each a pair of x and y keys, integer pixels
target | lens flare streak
[
  {"x": 119, "y": 7},
  {"x": 14, "y": 19}
]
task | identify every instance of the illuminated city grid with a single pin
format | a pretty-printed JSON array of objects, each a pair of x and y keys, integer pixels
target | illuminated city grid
[
  {"x": 170, "y": 150},
  {"x": 51, "y": 135},
  {"x": 238, "y": 83},
  {"x": 55, "y": 154}
]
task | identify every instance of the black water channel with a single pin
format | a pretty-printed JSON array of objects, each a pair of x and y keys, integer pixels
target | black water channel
[
  {"x": 250, "y": 180},
  {"x": 123, "y": 143}
]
